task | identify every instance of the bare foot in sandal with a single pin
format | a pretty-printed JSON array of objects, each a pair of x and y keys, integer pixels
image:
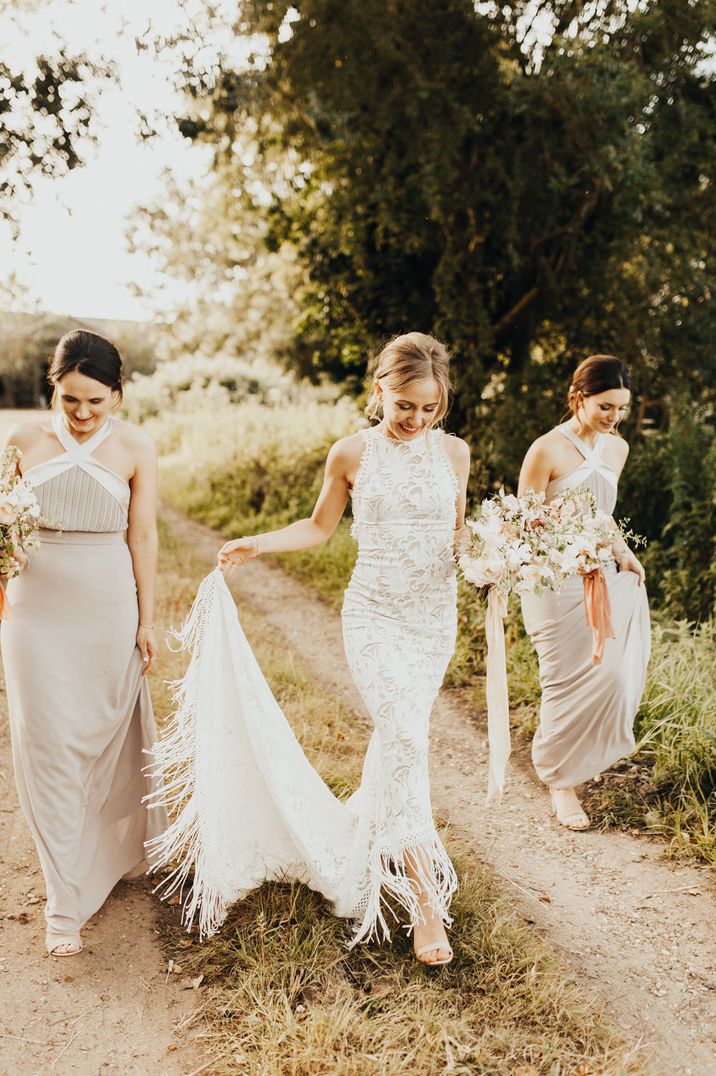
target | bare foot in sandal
[
  {"x": 430, "y": 941},
  {"x": 63, "y": 944},
  {"x": 568, "y": 809}
]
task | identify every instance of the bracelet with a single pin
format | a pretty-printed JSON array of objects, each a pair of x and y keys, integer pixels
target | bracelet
[
  {"x": 255, "y": 540},
  {"x": 149, "y": 627}
]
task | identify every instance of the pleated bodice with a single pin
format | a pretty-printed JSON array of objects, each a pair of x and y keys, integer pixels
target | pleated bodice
[{"x": 75, "y": 491}]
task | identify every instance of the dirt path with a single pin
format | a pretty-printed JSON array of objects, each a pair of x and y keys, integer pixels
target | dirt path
[
  {"x": 635, "y": 929},
  {"x": 113, "y": 1010}
]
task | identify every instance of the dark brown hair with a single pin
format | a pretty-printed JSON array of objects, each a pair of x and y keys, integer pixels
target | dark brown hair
[
  {"x": 90, "y": 355},
  {"x": 598, "y": 373},
  {"x": 409, "y": 358}
]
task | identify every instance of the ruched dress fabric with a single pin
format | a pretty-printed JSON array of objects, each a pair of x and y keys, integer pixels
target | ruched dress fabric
[
  {"x": 249, "y": 807},
  {"x": 80, "y": 711},
  {"x": 587, "y": 711}
]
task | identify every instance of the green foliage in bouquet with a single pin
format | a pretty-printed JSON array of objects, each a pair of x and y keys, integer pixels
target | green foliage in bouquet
[{"x": 19, "y": 515}]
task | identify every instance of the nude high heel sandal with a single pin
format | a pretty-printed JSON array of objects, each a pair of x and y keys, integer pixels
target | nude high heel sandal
[
  {"x": 577, "y": 821},
  {"x": 61, "y": 945}
]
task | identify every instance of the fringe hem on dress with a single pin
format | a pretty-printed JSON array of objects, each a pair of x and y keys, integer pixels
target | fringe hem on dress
[{"x": 221, "y": 741}]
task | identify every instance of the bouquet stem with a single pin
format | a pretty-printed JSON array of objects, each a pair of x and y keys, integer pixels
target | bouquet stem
[{"x": 5, "y": 607}]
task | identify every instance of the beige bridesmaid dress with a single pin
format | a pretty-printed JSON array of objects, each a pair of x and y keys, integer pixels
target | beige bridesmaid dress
[
  {"x": 587, "y": 711},
  {"x": 80, "y": 711}
]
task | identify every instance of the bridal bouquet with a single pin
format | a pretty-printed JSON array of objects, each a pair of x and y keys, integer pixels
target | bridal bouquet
[
  {"x": 526, "y": 545},
  {"x": 523, "y": 544},
  {"x": 19, "y": 521}
]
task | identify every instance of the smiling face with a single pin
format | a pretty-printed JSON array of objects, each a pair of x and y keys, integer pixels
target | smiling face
[
  {"x": 84, "y": 402},
  {"x": 602, "y": 411},
  {"x": 411, "y": 410}
]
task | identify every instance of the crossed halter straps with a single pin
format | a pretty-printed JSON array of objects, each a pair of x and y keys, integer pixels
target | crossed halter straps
[
  {"x": 592, "y": 456},
  {"x": 82, "y": 456}
]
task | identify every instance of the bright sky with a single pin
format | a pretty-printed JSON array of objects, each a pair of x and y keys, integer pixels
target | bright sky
[{"x": 72, "y": 252}]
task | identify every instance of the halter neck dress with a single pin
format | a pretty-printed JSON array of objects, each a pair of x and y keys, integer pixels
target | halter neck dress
[
  {"x": 80, "y": 711},
  {"x": 587, "y": 711}
]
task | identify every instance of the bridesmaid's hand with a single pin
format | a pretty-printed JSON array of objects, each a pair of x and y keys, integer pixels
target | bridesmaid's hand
[
  {"x": 15, "y": 565},
  {"x": 236, "y": 552},
  {"x": 629, "y": 563},
  {"x": 147, "y": 643}
]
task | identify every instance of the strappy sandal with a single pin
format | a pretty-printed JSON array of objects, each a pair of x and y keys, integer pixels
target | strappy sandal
[
  {"x": 62, "y": 945},
  {"x": 579, "y": 821},
  {"x": 433, "y": 963}
]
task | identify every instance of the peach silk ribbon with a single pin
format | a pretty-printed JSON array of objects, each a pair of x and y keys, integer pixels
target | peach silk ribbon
[
  {"x": 498, "y": 709},
  {"x": 599, "y": 612},
  {"x": 5, "y": 607}
]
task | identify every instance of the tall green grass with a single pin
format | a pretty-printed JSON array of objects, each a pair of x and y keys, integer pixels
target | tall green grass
[
  {"x": 669, "y": 788},
  {"x": 248, "y": 468}
]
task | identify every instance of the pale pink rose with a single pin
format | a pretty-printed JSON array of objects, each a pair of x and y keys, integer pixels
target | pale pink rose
[{"x": 8, "y": 513}]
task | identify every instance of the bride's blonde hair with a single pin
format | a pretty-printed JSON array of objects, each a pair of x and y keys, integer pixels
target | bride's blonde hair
[{"x": 408, "y": 358}]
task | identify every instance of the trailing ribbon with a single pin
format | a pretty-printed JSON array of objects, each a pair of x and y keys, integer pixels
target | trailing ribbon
[
  {"x": 599, "y": 612},
  {"x": 5, "y": 607},
  {"x": 498, "y": 708}
]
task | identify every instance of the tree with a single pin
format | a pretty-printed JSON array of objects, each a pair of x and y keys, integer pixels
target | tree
[
  {"x": 46, "y": 113},
  {"x": 530, "y": 199}
]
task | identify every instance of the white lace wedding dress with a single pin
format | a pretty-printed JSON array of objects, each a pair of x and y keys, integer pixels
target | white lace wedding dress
[{"x": 248, "y": 805}]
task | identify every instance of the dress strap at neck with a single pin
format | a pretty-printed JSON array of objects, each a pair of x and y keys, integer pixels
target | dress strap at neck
[
  {"x": 76, "y": 449},
  {"x": 589, "y": 453}
]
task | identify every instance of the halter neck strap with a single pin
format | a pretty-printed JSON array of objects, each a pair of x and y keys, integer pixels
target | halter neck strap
[
  {"x": 80, "y": 451},
  {"x": 593, "y": 455}
]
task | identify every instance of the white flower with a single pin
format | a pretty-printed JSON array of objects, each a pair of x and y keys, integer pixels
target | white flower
[
  {"x": 8, "y": 510},
  {"x": 518, "y": 553},
  {"x": 482, "y": 573}
]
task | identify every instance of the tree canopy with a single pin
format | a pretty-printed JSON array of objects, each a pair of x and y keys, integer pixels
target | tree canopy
[
  {"x": 532, "y": 182},
  {"x": 45, "y": 113}
]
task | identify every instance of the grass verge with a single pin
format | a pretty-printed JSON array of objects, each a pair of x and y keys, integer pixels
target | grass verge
[{"x": 285, "y": 995}]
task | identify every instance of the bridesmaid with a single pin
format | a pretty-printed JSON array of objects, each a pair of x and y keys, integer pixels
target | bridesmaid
[
  {"x": 82, "y": 638},
  {"x": 587, "y": 711}
]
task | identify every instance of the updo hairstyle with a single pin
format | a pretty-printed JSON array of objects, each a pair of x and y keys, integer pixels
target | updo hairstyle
[
  {"x": 598, "y": 373},
  {"x": 88, "y": 354},
  {"x": 406, "y": 359}
]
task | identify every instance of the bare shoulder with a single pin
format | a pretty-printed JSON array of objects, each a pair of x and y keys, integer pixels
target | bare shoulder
[
  {"x": 616, "y": 451},
  {"x": 135, "y": 439},
  {"x": 26, "y": 432},
  {"x": 544, "y": 447},
  {"x": 346, "y": 452},
  {"x": 618, "y": 447},
  {"x": 457, "y": 449}
]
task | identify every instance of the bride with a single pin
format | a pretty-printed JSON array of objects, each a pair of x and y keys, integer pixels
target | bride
[{"x": 252, "y": 807}]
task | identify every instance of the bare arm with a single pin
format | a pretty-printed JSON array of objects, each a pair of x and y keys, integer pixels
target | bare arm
[
  {"x": 536, "y": 469},
  {"x": 20, "y": 435},
  {"x": 304, "y": 533},
  {"x": 143, "y": 543},
  {"x": 459, "y": 455}
]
